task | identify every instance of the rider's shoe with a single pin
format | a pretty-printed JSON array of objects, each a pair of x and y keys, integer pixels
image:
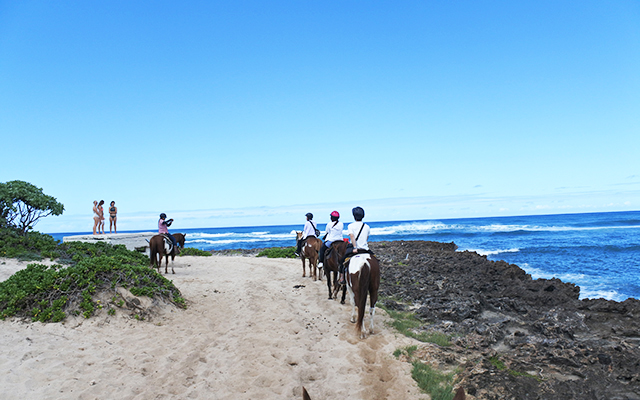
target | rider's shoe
[{"x": 320, "y": 265}]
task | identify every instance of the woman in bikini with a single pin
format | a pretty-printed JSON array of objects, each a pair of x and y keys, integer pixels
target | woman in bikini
[
  {"x": 113, "y": 216},
  {"x": 101, "y": 213},
  {"x": 96, "y": 216}
]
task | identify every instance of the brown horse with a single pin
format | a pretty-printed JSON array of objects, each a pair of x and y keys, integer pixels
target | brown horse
[
  {"x": 310, "y": 251},
  {"x": 331, "y": 264},
  {"x": 158, "y": 248},
  {"x": 363, "y": 278}
]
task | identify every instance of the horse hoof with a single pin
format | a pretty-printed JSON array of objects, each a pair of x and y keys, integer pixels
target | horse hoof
[{"x": 341, "y": 301}]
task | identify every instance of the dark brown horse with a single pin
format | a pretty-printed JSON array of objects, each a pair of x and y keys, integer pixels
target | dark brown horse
[
  {"x": 310, "y": 251},
  {"x": 363, "y": 278},
  {"x": 331, "y": 264},
  {"x": 158, "y": 248}
]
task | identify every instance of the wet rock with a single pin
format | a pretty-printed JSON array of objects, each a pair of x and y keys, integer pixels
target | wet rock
[{"x": 521, "y": 338}]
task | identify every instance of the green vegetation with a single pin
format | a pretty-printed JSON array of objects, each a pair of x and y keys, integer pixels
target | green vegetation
[
  {"x": 406, "y": 322},
  {"x": 50, "y": 293},
  {"x": 192, "y": 251},
  {"x": 23, "y": 204},
  {"x": 32, "y": 246},
  {"x": 408, "y": 351},
  {"x": 437, "y": 384},
  {"x": 499, "y": 364},
  {"x": 278, "y": 252}
]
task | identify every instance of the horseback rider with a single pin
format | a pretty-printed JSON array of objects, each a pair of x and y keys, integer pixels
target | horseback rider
[
  {"x": 308, "y": 230},
  {"x": 359, "y": 235},
  {"x": 163, "y": 228},
  {"x": 334, "y": 233}
]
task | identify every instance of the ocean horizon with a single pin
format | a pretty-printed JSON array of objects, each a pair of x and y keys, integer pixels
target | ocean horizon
[{"x": 600, "y": 252}]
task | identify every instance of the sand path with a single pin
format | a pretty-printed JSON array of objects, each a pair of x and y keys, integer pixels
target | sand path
[{"x": 248, "y": 333}]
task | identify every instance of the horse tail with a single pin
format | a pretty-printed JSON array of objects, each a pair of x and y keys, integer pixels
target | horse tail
[
  {"x": 152, "y": 253},
  {"x": 363, "y": 289},
  {"x": 305, "y": 395}
]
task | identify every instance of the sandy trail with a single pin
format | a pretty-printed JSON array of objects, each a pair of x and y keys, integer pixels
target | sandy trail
[{"x": 250, "y": 332}]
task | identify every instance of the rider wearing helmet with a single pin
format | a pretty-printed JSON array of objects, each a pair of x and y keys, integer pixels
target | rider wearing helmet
[
  {"x": 308, "y": 230},
  {"x": 163, "y": 227},
  {"x": 359, "y": 235},
  {"x": 334, "y": 233}
]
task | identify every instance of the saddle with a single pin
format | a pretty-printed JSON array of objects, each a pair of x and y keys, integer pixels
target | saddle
[{"x": 168, "y": 242}]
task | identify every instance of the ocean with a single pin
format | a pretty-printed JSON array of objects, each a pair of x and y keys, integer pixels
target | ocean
[{"x": 600, "y": 252}]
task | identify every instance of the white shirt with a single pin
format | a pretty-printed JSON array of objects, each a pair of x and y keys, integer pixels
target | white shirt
[
  {"x": 308, "y": 230},
  {"x": 334, "y": 231},
  {"x": 363, "y": 239}
]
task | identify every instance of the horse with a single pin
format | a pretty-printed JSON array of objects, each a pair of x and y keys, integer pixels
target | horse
[
  {"x": 363, "y": 278},
  {"x": 331, "y": 264},
  {"x": 310, "y": 250},
  {"x": 158, "y": 248}
]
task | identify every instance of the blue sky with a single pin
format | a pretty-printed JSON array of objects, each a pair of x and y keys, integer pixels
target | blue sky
[{"x": 254, "y": 113}]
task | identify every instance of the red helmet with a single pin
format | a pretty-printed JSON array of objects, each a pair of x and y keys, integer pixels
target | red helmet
[{"x": 335, "y": 214}]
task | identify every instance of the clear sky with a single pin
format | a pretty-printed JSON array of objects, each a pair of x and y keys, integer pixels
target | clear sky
[{"x": 256, "y": 112}]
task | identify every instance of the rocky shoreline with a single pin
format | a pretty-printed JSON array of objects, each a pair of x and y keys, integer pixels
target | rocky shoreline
[{"x": 512, "y": 337}]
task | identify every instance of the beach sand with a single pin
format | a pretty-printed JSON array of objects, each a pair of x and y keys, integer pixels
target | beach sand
[{"x": 248, "y": 333}]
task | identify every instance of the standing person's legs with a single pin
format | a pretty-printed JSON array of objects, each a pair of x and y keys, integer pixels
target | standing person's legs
[{"x": 95, "y": 224}]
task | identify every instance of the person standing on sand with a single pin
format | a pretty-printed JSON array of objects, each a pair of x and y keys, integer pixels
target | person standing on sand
[
  {"x": 96, "y": 216},
  {"x": 113, "y": 217},
  {"x": 308, "y": 230},
  {"x": 359, "y": 235},
  {"x": 101, "y": 213},
  {"x": 334, "y": 233}
]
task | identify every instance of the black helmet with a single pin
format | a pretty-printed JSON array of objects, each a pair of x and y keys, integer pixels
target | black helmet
[
  {"x": 309, "y": 215},
  {"x": 358, "y": 213},
  {"x": 163, "y": 216}
]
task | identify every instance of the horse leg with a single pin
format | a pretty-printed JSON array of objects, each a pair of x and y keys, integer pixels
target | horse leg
[
  {"x": 329, "y": 284},
  {"x": 315, "y": 268},
  {"x": 352, "y": 300},
  {"x": 173, "y": 256},
  {"x": 304, "y": 269}
]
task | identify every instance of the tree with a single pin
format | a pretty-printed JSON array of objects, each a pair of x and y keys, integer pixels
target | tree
[{"x": 23, "y": 204}]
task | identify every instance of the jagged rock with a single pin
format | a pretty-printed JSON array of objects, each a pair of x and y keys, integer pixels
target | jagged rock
[{"x": 521, "y": 338}]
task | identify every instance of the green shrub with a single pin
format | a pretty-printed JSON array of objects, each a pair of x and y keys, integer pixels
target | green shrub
[
  {"x": 192, "y": 251},
  {"x": 50, "y": 293},
  {"x": 29, "y": 246},
  {"x": 278, "y": 252}
]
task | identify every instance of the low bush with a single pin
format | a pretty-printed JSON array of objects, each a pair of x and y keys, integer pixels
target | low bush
[
  {"x": 192, "y": 251},
  {"x": 278, "y": 252},
  {"x": 50, "y": 293}
]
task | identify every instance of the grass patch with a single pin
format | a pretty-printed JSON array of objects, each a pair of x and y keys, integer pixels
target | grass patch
[
  {"x": 438, "y": 385},
  {"x": 192, "y": 251},
  {"x": 278, "y": 252},
  {"x": 500, "y": 366},
  {"x": 406, "y": 322}
]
